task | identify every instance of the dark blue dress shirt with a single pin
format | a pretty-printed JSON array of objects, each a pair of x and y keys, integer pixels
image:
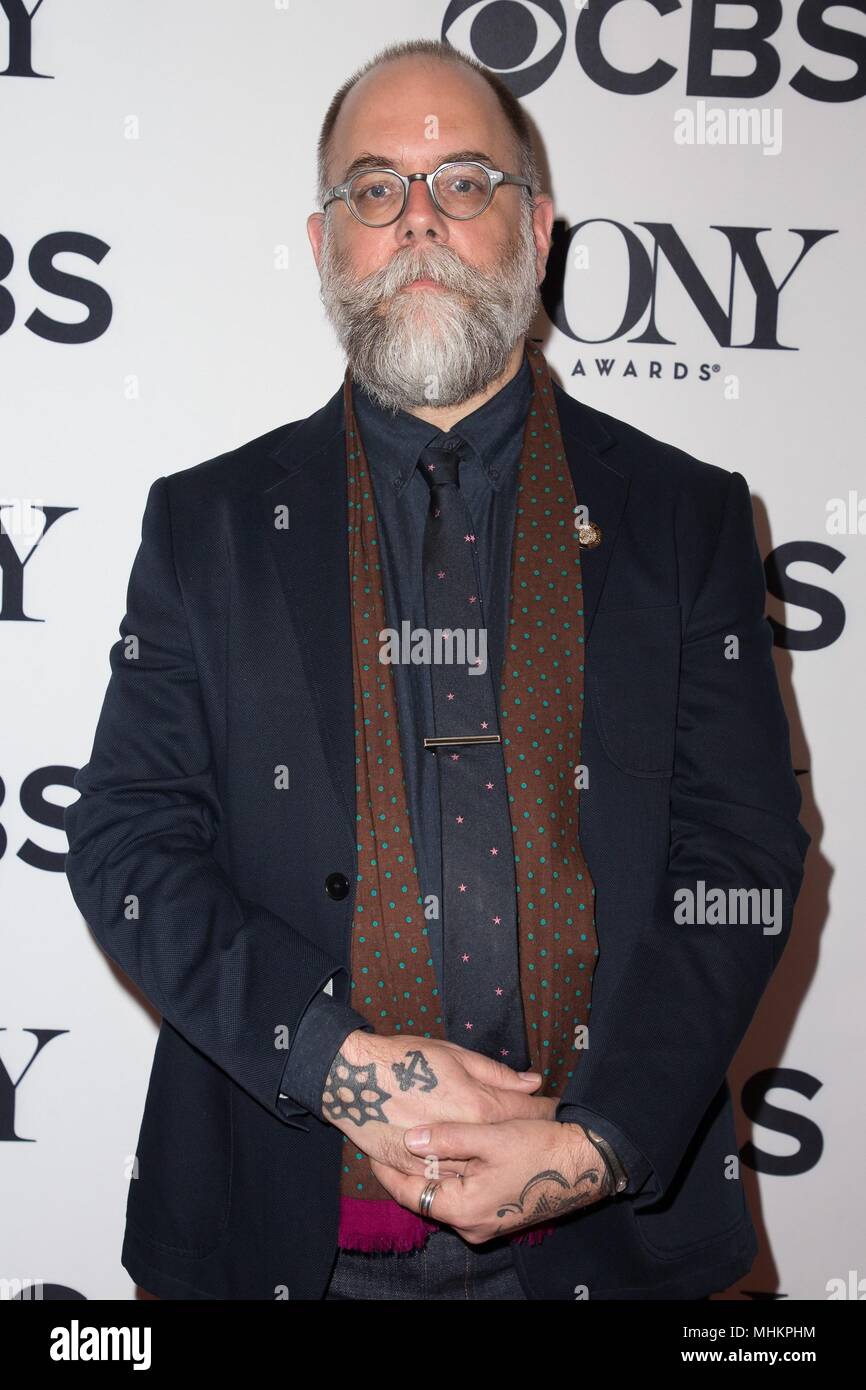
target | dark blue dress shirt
[{"x": 488, "y": 481}]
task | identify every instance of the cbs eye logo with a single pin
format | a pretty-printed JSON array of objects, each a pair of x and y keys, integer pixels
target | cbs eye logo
[{"x": 520, "y": 40}]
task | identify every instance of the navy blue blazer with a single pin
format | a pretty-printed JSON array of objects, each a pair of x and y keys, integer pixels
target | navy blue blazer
[{"x": 205, "y": 881}]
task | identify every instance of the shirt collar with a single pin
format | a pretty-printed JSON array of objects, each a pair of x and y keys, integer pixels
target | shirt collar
[{"x": 393, "y": 443}]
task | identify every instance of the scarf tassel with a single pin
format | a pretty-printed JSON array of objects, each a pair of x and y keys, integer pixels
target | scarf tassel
[{"x": 372, "y": 1226}]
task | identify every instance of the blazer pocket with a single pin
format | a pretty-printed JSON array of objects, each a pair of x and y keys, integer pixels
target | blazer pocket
[
  {"x": 703, "y": 1205},
  {"x": 632, "y": 675},
  {"x": 180, "y": 1198}
]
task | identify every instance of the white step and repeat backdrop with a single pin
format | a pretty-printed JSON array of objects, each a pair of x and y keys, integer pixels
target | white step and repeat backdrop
[{"x": 159, "y": 305}]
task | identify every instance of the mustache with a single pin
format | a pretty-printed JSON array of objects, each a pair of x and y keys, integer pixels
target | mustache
[{"x": 438, "y": 263}]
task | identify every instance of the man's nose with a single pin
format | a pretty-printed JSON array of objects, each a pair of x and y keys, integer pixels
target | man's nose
[{"x": 420, "y": 216}]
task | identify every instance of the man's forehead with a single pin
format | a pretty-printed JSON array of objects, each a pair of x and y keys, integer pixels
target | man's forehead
[
  {"x": 418, "y": 118},
  {"x": 410, "y": 160}
]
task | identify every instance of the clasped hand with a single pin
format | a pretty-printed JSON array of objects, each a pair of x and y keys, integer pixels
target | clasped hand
[{"x": 425, "y": 1109}]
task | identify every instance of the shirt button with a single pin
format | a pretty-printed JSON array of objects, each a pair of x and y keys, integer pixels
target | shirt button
[{"x": 336, "y": 886}]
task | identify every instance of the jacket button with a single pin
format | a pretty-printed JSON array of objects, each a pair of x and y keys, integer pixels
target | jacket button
[{"x": 336, "y": 886}]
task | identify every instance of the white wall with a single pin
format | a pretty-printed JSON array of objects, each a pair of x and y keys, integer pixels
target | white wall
[{"x": 181, "y": 138}]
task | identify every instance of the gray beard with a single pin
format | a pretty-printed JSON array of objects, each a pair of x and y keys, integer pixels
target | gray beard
[{"x": 427, "y": 347}]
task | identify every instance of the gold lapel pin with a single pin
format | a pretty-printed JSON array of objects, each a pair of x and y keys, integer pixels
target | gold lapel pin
[{"x": 589, "y": 536}]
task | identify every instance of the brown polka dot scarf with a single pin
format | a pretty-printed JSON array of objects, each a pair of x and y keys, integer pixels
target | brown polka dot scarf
[{"x": 541, "y": 706}]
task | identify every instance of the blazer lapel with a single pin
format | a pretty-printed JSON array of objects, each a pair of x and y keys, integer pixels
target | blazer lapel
[
  {"x": 598, "y": 486},
  {"x": 311, "y": 558}
]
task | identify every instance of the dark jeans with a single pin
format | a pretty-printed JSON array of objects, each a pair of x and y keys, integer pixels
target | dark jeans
[{"x": 444, "y": 1268}]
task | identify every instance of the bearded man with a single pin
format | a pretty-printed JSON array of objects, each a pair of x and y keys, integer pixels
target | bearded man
[{"x": 430, "y": 721}]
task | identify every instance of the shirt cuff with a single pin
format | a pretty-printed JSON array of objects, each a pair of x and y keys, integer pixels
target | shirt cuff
[
  {"x": 640, "y": 1172},
  {"x": 325, "y": 1024}
]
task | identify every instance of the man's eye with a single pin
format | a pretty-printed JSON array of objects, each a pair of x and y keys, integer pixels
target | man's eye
[
  {"x": 464, "y": 185},
  {"x": 373, "y": 190}
]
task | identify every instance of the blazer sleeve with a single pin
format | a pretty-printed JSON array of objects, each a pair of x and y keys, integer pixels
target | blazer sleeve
[
  {"x": 320, "y": 1035},
  {"x": 228, "y": 974},
  {"x": 664, "y": 1038}
]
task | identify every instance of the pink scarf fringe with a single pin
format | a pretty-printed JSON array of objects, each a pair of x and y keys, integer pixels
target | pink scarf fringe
[{"x": 375, "y": 1225}]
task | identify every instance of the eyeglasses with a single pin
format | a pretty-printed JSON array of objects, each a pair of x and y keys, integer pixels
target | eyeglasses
[{"x": 460, "y": 190}]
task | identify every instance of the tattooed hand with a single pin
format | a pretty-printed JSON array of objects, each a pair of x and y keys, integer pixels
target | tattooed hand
[
  {"x": 379, "y": 1086},
  {"x": 511, "y": 1175}
]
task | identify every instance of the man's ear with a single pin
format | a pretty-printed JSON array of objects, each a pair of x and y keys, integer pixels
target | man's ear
[
  {"x": 542, "y": 229},
  {"x": 316, "y": 231}
]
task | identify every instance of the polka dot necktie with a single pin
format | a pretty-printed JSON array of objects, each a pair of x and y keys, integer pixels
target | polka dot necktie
[{"x": 481, "y": 974}]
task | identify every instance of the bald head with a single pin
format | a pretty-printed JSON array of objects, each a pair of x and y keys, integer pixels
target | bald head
[
  {"x": 414, "y": 113},
  {"x": 418, "y": 93}
]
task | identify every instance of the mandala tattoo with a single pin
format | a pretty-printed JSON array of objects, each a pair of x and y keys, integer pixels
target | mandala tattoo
[
  {"x": 353, "y": 1092},
  {"x": 416, "y": 1072}
]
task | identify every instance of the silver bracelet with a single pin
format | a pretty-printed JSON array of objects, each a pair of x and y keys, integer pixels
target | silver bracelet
[{"x": 615, "y": 1171}]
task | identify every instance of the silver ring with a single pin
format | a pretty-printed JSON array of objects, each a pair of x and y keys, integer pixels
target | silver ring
[{"x": 426, "y": 1199}]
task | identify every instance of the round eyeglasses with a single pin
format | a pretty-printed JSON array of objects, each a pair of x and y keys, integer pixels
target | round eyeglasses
[{"x": 377, "y": 197}]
